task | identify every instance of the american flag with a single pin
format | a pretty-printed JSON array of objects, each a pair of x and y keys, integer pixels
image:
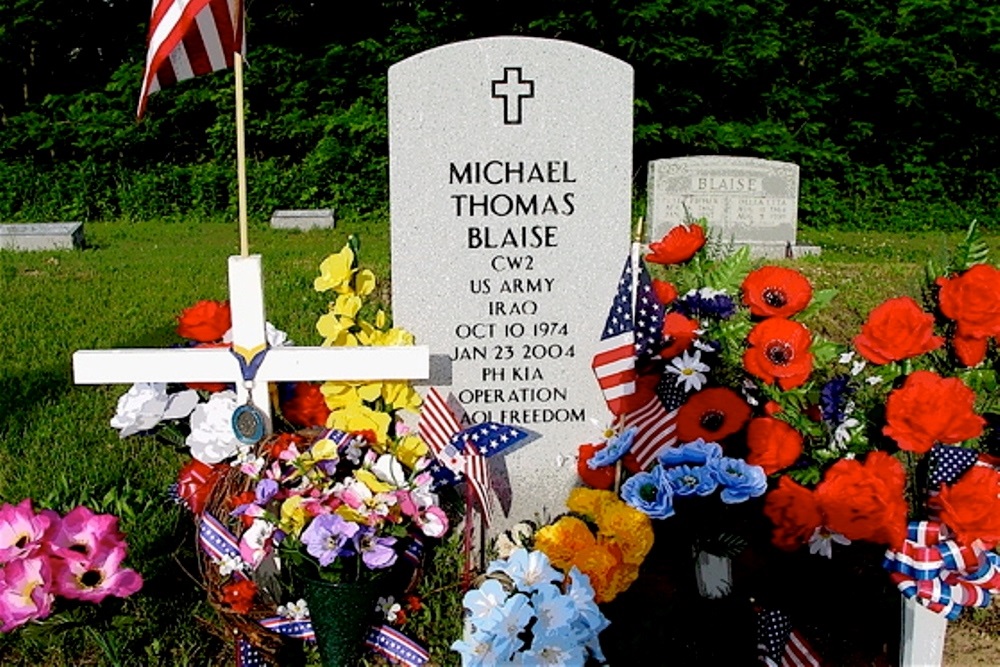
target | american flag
[
  {"x": 632, "y": 331},
  {"x": 247, "y": 655},
  {"x": 188, "y": 38},
  {"x": 656, "y": 421},
  {"x": 781, "y": 644}
]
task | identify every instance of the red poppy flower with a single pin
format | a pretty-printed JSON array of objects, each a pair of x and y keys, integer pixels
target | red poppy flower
[
  {"x": 602, "y": 478},
  {"x": 307, "y": 406},
  {"x": 776, "y": 291},
  {"x": 865, "y": 501},
  {"x": 712, "y": 414},
  {"x": 195, "y": 482},
  {"x": 971, "y": 507},
  {"x": 972, "y": 299},
  {"x": 664, "y": 291},
  {"x": 793, "y": 510},
  {"x": 774, "y": 444},
  {"x": 239, "y": 595},
  {"x": 205, "y": 321},
  {"x": 678, "y": 333},
  {"x": 897, "y": 329},
  {"x": 678, "y": 245},
  {"x": 779, "y": 351},
  {"x": 282, "y": 441},
  {"x": 929, "y": 409}
]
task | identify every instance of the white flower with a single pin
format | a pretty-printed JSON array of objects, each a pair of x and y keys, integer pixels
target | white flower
[
  {"x": 846, "y": 357},
  {"x": 212, "y": 438},
  {"x": 296, "y": 611},
  {"x": 516, "y": 538},
  {"x": 690, "y": 370},
  {"x": 389, "y": 470},
  {"x": 822, "y": 541},
  {"x": 229, "y": 564},
  {"x": 873, "y": 380},
  {"x": 253, "y": 542},
  {"x": 389, "y": 608},
  {"x": 842, "y": 434},
  {"x": 858, "y": 366},
  {"x": 146, "y": 404}
]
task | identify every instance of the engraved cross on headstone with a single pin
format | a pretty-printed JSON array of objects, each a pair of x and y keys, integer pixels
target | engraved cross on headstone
[
  {"x": 281, "y": 364},
  {"x": 512, "y": 93}
]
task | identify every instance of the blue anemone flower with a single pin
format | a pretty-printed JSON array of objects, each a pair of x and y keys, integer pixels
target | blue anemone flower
[
  {"x": 740, "y": 481},
  {"x": 650, "y": 493}
]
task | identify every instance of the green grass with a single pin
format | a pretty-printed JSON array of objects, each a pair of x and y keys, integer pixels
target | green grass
[{"x": 125, "y": 290}]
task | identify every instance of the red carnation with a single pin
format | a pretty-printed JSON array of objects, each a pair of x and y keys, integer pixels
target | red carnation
[
  {"x": 195, "y": 482},
  {"x": 678, "y": 333},
  {"x": 603, "y": 478},
  {"x": 971, "y": 507},
  {"x": 664, "y": 291},
  {"x": 205, "y": 321},
  {"x": 897, "y": 329},
  {"x": 774, "y": 444},
  {"x": 793, "y": 510},
  {"x": 775, "y": 291},
  {"x": 779, "y": 351},
  {"x": 307, "y": 406},
  {"x": 678, "y": 245},
  {"x": 972, "y": 299},
  {"x": 929, "y": 409},
  {"x": 866, "y": 501},
  {"x": 712, "y": 414},
  {"x": 239, "y": 595}
]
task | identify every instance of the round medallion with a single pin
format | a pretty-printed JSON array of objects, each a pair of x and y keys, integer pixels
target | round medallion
[{"x": 249, "y": 424}]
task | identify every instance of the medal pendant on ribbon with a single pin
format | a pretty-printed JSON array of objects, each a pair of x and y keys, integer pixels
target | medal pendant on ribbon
[{"x": 249, "y": 423}]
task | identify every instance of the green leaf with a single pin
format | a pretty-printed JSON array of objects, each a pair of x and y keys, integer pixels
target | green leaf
[
  {"x": 821, "y": 299},
  {"x": 970, "y": 251}
]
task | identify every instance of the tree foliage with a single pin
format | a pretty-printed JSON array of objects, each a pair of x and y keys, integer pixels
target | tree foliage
[{"x": 886, "y": 106}]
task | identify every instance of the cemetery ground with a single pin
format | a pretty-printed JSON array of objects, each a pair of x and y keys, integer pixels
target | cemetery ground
[{"x": 126, "y": 288}]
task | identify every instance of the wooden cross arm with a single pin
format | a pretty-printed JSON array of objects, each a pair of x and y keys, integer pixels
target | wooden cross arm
[{"x": 284, "y": 364}]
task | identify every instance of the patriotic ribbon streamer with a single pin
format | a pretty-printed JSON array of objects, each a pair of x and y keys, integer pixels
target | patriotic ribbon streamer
[
  {"x": 289, "y": 627},
  {"x": 396, "y": 646},
  {"x": 941, "y": 574}
]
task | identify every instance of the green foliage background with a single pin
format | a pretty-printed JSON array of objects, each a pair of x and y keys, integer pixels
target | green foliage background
[{"x": 890, "y": 107}]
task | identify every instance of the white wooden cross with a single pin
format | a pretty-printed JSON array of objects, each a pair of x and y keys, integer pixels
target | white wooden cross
[
  {"x": 282, "y": 364},
  {"x": 922, "y": 636}
]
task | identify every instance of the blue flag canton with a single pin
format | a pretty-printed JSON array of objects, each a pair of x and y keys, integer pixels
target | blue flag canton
[
  {"x": 773, "y": 631},
  {"x": 620, "y": 316},
  {"x": 946, "y": 464},
  {"x": 489, "y": 438},
  {"x": 648, "y": 317}
]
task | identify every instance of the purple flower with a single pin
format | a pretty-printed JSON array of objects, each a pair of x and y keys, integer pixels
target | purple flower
[
  {"x": 705, "y": 303},
  {"x": 266, "y": 488},
  {"x": 326, "y": 536},
  {"x": 833, "y": 399},
  {"x": 376, "y": 552}
]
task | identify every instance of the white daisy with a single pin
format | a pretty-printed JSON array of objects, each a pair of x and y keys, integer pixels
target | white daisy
[{"x": 690, "y": 370}]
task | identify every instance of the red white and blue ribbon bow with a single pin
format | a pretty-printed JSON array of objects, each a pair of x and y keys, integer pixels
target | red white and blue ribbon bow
[
  {"x": 941, "y": 574},
  {"x": 463, "y": 452}
]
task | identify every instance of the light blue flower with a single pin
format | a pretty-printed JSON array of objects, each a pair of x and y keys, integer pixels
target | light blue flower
[
  {"x": 515, "y": 614},
  {"x": 697, "y": 452},
  {"x": 740, "y": 480},
  {"x": 482, "y": 649},
  {"x": 617, "y": 446},
  {"x": 688, "y": 480},
  {"x": 650, "y": 493},
  {"x": 554, "y": 610},
  {"x": 581, "y": 592},
  {"x": 484, "y": 603},
  {"x": 555, "y": 648},
  {"x": 527, "y": 570}
]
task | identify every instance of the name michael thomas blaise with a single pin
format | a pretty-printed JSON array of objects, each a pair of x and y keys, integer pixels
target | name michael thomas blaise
[{"x": 499, "y": 205}]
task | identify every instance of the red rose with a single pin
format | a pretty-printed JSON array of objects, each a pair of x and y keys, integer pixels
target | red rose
[
  {"x": 865, "y": 501},
  {"x": 239, "y": 595},
  {"x": 603, "y": 478},
  {"x": 898, "y": 329},
  {"x": 678, "y": 245},
  {"x": 711, "y": 414},
  {"x": 970, "y": 507},
  {"x": 678, "y": 333},
  {"x": 205, "y": 321},
  {"x": 774, "y": 444},
  {"x": 793, "y": 510},
  {"x": 306, "y": 407},
  {"x": 195, "y": 482},
  {"x": 929, "y": 409},
  {"x": 774, "y": 291},
  {"x": 779, "y": 351},
  {"x": 664, "y": 291},
  {"x": 972, "y": 299}
]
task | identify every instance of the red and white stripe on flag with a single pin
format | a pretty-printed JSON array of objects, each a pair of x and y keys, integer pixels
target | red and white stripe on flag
[
  {"x": 437, "y": 423},
  {"x": 188, "y": 38},
  {"x": 478, "y": 476},
  {"x": 656, "y": 430},
  {"x": 614, "y": 366},
  {"x": 798, "y": 652}
]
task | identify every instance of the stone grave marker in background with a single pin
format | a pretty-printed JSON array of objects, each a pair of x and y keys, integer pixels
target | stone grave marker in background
[
  {"x": 747, "y": 201},
  {"x": 510, "y": 198},
  {"x": 303, "y": 219},
  {"x": 41, "y": 236}
]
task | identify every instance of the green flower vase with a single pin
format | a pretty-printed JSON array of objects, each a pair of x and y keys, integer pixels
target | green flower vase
[{"x": 341, "y": 614}]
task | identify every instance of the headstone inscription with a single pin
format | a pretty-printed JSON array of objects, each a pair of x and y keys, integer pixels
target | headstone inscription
[
  {"x": 510, "y": 161},
  {"x": 41, "y": 236},
  {"x": 747, "y": 201},
  {"x": 303, "y": 219}
]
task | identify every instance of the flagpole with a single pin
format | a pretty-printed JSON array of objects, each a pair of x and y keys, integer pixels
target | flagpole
[{"x": 241, "y": 167}]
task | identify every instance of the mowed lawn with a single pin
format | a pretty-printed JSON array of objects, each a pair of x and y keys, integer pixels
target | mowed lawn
[{"x": 125, "y": 290}]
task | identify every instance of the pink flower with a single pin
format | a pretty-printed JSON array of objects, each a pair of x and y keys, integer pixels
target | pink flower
[
  {"x": 83, "y": 532},
  {"x": 95, "y": 576},
  {"x": 24, "y": 592},
  {"x": 22, "y": 531}
]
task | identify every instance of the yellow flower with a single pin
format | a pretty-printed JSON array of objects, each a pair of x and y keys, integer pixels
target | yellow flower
[
  {"x": 347, "y": 306},
  {"x": 293, "y": 516},
  {"x": 602, "y": 563},
  {"x": 629, "y": 528},
  {"x": 410, "y": 449},
  {"x": 588, "y": 502},
  {"x": 392, "y": 337},
  {"x": 336, "y": 330},
  {"x": 376, "y": 485},
  {"x": 364, "y": 282},
  {"x": 563, "y": 540},
  {"x": 336, "y": 271},
  {"x": 399, "y": 395},
  {"x": 351, "y": 514},
  {"x": 354, "y": 418},
  {"x": 342, "y": 394}
]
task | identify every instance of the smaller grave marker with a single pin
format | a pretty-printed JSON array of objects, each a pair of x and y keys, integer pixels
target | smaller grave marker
[
  {"x": 41, "y": 236},
  {"x": 304, "y": 220}
]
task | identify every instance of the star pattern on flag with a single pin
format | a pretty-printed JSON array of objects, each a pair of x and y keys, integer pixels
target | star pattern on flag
[
  {"x": 489, "y": 438},
  {"x": 945, "y": 464},
  {"x": 648, "y": 317},
  {"x": 780, "y": 644}
]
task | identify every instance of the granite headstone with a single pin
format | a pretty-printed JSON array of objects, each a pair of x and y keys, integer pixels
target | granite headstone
[
  {"x": 41, "y": 236},
  {"x": 510, "y": 198}
]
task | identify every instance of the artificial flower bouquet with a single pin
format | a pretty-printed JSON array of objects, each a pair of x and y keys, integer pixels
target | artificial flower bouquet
[{"x": 44, "y": 556}]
